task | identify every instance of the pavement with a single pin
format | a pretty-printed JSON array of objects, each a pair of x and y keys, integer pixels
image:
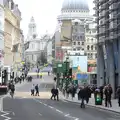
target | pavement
[
  {"x": 26, "y": 107},
  {"x": 114, "y": 108}
]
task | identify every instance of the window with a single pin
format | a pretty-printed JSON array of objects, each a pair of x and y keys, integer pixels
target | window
[
  {"x": 95, "y": 55},
  {"x": 78, "y": 48},
  {"x": 88, "y": 55},
  {"x": 95, "y": 47},
  {"x": 78, "y": 43},
  {"x": 82, "y": 48},
  {"x": 74, "y": 43},
  {"x": 74, "y": 49},
  {"x": 92, "y": 47},
  {"x": 88, "y": 47},
  {"x": 92, "y": 40},
  {"x": 91, "y": 56},
  {"x": 82, "y": 43}
]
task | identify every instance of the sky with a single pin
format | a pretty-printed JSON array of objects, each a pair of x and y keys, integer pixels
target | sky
[{"x": 45, "y": 13}]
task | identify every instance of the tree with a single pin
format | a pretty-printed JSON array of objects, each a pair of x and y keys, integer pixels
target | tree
[{"x": 41, "y": 59}]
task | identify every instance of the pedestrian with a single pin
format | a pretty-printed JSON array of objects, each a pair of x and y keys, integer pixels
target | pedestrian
[
  {"x": 53, "y": 93},
  {"x": 56, "y": 94},
  {"x": 37, "y": 90},
  {"x": 48, "y": 73},
  {"x": 41, "y": 75},
  {"x": 82, "y": 94},
  {"x": 32, "y": 90},
  {"x": 108, "y": 94},
  {"x": 118, "y": 95}
]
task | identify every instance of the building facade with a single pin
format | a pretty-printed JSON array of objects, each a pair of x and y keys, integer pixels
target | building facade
[
  {"x": 108, "y": 46},
  {"x": 36, "y": 45},
  {"x": 77, "y": 30},
  {"x": 12, "y": 35},
  {"x": 1, "y": 35}
]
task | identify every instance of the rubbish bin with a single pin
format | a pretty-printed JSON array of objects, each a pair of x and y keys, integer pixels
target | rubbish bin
[{"x": 98, "y": 99}]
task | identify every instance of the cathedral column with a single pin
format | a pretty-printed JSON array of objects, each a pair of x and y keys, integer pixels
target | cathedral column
[
  {"x": 110, "y": 65},
  {"x": 100, "y": 66}
]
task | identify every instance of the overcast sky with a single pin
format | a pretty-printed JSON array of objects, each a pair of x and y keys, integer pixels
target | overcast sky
[{"x": 45, "y": 13}]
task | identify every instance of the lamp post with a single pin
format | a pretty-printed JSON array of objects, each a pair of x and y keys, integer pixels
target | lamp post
[{"x": 66, "y": 71}]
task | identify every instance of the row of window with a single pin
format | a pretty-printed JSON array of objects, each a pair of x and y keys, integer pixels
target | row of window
[
  {"x": 75, "y": 11},
  {"x": 91, "y": 40},
  {"x": 92, "y": 55},
  {"x": 78, "y": 43},
  {"x": 92, "y": 47}
]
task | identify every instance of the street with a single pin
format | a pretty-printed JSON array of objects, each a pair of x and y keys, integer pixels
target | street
[{"x": 25, "y": 107}]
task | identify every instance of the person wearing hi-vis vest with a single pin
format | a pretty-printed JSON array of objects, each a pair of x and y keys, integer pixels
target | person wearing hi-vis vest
[{"x": 41, "y": 75}]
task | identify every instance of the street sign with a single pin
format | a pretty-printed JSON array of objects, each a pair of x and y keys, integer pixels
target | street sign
[
  {"x": 59, "y": 65},
  {"x": 26, "y": 45}
]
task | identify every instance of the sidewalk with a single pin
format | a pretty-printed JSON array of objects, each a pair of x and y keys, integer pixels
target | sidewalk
[{"x": 91, "y": 103}]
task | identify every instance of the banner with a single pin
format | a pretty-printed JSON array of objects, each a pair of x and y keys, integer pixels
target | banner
[{"x": 79, "y": 68}]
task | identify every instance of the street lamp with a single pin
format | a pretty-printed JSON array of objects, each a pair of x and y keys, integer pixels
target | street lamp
[{"x": 67, "y": 71}]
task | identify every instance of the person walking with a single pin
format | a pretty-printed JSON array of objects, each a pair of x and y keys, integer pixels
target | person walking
[
  {"x": 37, "y": 90},
  {"x": 57, "y": 94},
  {"x": 118, "y": 95},
  {"x": 53, "y": 93},
  {"x": 82, "y": 94},
  {"x": 32, "y": 90},
  {"x": 108, "y": 94}
]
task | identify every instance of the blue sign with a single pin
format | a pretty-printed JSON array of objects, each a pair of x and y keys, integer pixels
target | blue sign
[{"x": 81, "y": 76}]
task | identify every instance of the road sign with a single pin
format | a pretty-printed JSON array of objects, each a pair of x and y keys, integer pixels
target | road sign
[{"x": 59, "y": 65}]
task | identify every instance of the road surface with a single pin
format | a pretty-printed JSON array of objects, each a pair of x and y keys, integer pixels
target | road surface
[{"x": 25, "y": 107}]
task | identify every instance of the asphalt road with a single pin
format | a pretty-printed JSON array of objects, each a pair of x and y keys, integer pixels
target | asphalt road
[{"x": 45, "y": 109}]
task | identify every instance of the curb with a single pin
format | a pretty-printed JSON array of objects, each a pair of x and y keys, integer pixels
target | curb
[{"x": 93, "y": 106}]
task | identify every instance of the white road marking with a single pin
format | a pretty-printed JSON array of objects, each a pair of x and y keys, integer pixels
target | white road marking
[
  {"x": 40, "y": 114},
  {"x": 76, "y": 118},
  {"x": 67, "y": 115},
  {"x": 50, "y": 107},
  {"x": 37, "y": 101},
  {"x": 45, "y": 104},
  {"x": 59, "y": 111},
  {"x": 1, "y": 104},
  {"x": 4, "y": 115},
  {"x": 13, "y": 113}
]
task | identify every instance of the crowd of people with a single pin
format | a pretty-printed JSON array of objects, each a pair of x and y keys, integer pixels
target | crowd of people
[{"x": 84, "y": 93}]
